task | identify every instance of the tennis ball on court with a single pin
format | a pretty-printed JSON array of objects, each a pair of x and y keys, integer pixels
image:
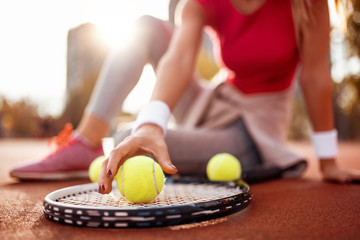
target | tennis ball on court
[
  {"x": 95, "y": 167},
  {"x": 140, "y": 179},
  {"x": 223, "y": 167}
]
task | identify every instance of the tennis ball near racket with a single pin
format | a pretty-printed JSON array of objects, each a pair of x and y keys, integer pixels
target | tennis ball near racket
[
  {"x": 140, "y": 179},
  {"x": 223, "y": 167},
  {"x": 95, "y": 167}
]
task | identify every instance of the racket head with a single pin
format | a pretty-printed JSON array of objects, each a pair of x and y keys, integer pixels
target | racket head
[{"x": 183, "y": 200}]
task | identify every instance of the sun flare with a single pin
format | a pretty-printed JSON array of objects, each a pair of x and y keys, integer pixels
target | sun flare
[{"x": 115, "y": 20}]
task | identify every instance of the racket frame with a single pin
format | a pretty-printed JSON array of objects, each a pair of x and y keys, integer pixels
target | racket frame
[{"x": 139, "y": 217}]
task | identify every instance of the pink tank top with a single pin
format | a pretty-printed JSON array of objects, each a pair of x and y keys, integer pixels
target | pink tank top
[{"x": 259, "y": 50}]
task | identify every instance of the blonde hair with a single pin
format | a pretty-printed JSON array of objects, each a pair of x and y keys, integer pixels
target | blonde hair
[
  {"x": 303, "y": 14},
  {"x": 343, "y": 8}
]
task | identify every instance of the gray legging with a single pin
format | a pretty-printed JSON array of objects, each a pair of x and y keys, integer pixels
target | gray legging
[{"x": 189, "y": 149}]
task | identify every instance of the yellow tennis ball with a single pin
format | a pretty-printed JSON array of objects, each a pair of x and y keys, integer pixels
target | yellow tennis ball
[
  {"x": 223, "y": 167},
  {"x": 140, "y": 179},
  {"x": 95, "y": 167}
]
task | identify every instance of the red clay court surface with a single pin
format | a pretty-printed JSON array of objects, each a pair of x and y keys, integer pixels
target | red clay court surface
[{"x": 305, "y": 208}]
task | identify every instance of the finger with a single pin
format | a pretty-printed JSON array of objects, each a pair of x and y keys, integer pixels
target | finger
[
  {"x": 105, "y": 183},
  {"x": 163, "y": 158},
  {"x": 348, "y": 176},
  {"x": 334, "y": 179},
  {"x": 354, "y": 176},
  {"x": 346, "y": 179},
  {"x": 118, "y": 157}
]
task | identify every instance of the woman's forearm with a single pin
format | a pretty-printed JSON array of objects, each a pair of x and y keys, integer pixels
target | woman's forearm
[
  {"x": 173, "y": 77},
  {"x": 317, "y": 90}
]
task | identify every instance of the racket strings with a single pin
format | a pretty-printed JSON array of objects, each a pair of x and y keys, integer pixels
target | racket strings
[{"x": 174, "y": 194}]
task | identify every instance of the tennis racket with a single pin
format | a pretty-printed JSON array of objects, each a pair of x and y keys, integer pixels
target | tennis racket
[{"x": 183, "y": 200}]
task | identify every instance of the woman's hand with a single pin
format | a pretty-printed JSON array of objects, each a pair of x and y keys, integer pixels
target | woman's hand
[
  {"x": 147, "y": 139},
  {"x": 332, "y": 172}
]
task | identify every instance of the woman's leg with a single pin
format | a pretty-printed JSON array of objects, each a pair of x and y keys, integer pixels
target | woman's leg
[
  {"x": 120, "y": 73},
  {"x": 190, "y": 150}
]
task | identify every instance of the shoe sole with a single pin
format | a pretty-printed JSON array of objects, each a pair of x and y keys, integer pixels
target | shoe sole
[{"x": 51, "y": 176}]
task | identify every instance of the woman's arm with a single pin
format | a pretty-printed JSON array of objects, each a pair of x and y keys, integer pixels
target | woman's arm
[
  {"x": 316, "y": 83},
  {"x": 176, "y": 68},
  {"x": 315, "y": 76},
  {"x": 174, "y": 73}
]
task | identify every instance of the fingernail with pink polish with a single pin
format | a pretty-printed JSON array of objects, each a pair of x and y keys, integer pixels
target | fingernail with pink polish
[
  {"x": 348, "y": 181},
  {"x": 108, "y": 174}
]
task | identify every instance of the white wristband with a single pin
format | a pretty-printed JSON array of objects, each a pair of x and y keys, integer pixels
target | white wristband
[
  {"x": 325, "y": 144},
  {"x": 156, "y": 112}
]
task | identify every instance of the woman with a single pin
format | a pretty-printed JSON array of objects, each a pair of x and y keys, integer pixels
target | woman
[
  {"x": 245, "y": 115},
  {"x": 262, "y": 43}
]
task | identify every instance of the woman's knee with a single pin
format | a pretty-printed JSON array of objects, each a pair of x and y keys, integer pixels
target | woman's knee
[
  {"x": 151, "y": 28},
  {"x": 155, "y": 34}
]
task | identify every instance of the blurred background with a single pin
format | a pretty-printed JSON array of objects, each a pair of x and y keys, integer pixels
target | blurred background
[{"x": 51, "y": 53}]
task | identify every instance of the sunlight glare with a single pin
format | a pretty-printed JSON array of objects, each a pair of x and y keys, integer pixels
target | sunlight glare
[
  {"x": 115, "y": 19},
  {"x": 112, "y": 38}
]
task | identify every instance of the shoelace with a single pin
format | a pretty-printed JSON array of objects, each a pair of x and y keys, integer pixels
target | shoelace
[{"x": 62, "y": 139}]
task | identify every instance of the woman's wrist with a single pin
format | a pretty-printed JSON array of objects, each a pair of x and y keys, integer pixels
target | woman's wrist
[
  {"x": 150, "y": 128},
  {"x": 155, "y": 112},
  {"x": 325, "y": 144},
  {"x": 326, "y": 164}
]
